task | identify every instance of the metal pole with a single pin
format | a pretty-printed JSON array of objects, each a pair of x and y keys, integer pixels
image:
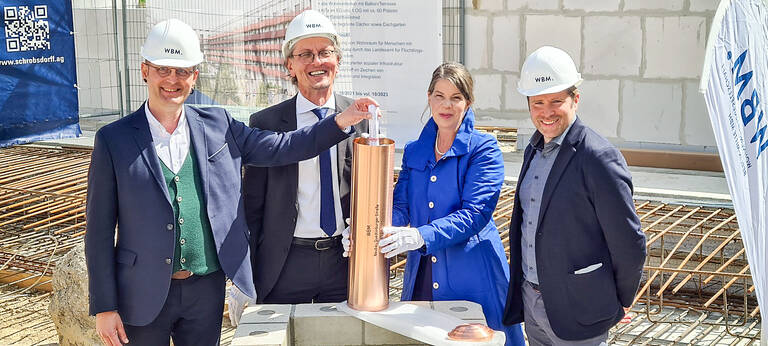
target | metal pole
[
  {"x": 125, "y": 57},
  {"x": 462, "y": 31},
  {"x": 117, "y": 60}
]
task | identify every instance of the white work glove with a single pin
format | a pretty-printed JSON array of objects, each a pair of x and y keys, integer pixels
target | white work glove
[
  {"x": 345, "y": 243},
  {"x": 399, "y": 239},
  {"x": 236, "y": 303}
]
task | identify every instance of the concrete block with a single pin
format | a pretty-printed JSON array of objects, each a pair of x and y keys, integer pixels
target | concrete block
[
  {"x": 102, "y": 15},
  {"x": 599, "y": 106},
  {"x": 552, "y": 30},
  {"x": 266, "y": 313},
  {"x": 81, "y": 47},
  {"x": 505, "y": 43},
  {"x": 675, "y": 46},
  {"x": 462, "y": 309},
  {"x": 425, "y": 304},
  {"x": 104, "y": 43},
  {"x": 91, "y": 46},
  {"x": 591, "y": 5},
  {"x": 651, "y": 112},
  {"x": 476, "y": 45},
  {"x": 78, "y": 21},
  {"x": 697, "y": 128},
  {"x": 95, "y": 96},
  {"x": 94, "y": 77},
  {"x": 513, "y": 100},
  {"x": 669, "y": 5},
  {"x": 266, "y": 334},
  {"x": 533, "y": 4},
  {"x": 622, "y": 56},
  {"x": 109, "y": 25},
  {"x": 703, "y": 5},
  {"x": 490, "y": 5},
  {"x": 487, "y": 91},
  {"x": 106, "y": 98},
  {"x": 314, "y": 331},
  {"x": 375, "y": 335}
]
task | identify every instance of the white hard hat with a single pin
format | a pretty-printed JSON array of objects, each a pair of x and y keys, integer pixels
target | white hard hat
[
  {"x": 547, "y": 70},
  {"x": 309, "y": 23},
  {"x": 172, "y": 43}
]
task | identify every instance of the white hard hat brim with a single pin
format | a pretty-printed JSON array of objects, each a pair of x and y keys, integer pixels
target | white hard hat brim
[
  {"x": 288, "y": 45},
  {"x": 174, "y": 62},
  {"x": 549, "y": 89}
]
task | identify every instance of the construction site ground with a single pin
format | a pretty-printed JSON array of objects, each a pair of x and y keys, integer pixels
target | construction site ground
[{"x": 696, "y": 289}]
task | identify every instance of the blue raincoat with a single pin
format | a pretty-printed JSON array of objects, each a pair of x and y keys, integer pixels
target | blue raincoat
[{"x": 451, "y": 202}]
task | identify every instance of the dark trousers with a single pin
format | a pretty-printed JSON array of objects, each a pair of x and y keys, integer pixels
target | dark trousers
[
  {"x": 311, "y": 276},
  {"x": 191, "y": 315}
]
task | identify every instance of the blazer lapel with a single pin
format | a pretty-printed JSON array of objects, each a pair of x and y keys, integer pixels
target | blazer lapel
[
  {"x": 344, "y": 147},
  {"x": 143, "y": 139},
  {"x": 288, "y": 122},
  {"x": 567, "y": 152},
  {"x": 198, "y": 144}
]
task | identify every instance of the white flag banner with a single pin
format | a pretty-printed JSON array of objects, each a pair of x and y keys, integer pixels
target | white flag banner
[{"x": 735, "y": 83}]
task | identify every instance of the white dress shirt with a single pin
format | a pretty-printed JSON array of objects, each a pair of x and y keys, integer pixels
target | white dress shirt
[
  {"x": 171, "y": 148},
  {"x": 308, "y": 191}
]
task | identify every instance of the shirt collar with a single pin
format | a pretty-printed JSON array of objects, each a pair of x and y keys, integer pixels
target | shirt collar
[
  {"x": 537, "y": 139},
  {"x": 303, "y": 105},
  {"x": 423, "y": 148},
  {"x": 158, "y": 129}
]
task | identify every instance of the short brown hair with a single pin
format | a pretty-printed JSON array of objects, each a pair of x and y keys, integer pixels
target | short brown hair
[{"x": 458, "y": 75}]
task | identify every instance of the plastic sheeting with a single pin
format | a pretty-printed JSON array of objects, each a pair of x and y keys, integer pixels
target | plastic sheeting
[
  {"x": 734, "y": 81},
  {"x": 38, "y": 93}
]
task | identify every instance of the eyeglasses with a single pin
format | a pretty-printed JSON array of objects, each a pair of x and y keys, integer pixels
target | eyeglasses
[
  {"x": 308, "y": 57},
  {"x": 165, "y": 71}
]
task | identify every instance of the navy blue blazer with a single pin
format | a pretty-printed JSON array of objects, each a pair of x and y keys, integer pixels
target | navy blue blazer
[
  {"x": 126, "y": 189},
  {"x": 270, "y": 195},
  {"x": 587, "y": 217}
]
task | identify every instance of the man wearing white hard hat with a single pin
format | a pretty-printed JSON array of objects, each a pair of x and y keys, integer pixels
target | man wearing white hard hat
[
  {"x": 296, "y": 212},
  {"x": 576, "y": 248},
  {"x": 166, "y": 179}
]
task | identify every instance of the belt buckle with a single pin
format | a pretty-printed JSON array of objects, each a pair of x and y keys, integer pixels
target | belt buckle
[
  {"x": 185, "y": 273},
  {"x": 319, "y": 248}
]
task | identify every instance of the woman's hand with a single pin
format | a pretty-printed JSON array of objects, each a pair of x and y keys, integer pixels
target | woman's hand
[
  {"x": 345, "y": 243},
  {"x": 399, "y": 239}
]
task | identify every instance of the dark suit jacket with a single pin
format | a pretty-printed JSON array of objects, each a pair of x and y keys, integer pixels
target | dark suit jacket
[
  {"x": 587, "y": 216},
  {"x": 126, "y": 189},
  {"x": 270, "y": 195}
]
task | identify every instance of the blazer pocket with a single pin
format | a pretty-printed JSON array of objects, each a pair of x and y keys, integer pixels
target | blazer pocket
[
  {"x": 126, "y": 257},
  {"x": 593, "y": 295},
  {"x": 215, "y": 156}
]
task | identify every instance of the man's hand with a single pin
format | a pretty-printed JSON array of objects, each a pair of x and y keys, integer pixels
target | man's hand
[
  {"x": 399, "y": 239},
  {"x": 355, "y": 113},
  {"x": 109, "y": 326}
]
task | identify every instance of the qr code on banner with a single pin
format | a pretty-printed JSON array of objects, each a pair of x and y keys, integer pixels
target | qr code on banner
[{"x": 26, "y": 29}]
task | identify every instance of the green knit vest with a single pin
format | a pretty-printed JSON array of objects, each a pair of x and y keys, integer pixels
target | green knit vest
[{"x": 195, "y": 248}]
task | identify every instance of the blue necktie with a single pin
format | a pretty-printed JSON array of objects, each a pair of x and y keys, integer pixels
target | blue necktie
[{"x": 327, "y": 210}]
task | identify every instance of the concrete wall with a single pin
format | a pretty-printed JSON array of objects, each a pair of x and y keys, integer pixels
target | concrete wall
[
  {"x": 97, "y": 58},
  {"x": 641, "y": 61}
]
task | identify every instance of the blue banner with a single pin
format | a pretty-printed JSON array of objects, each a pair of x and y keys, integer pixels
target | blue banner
[{"x": 38, "y": 94}]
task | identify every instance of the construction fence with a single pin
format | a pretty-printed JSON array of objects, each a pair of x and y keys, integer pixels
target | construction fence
[{"x": 241, "y": 39}]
